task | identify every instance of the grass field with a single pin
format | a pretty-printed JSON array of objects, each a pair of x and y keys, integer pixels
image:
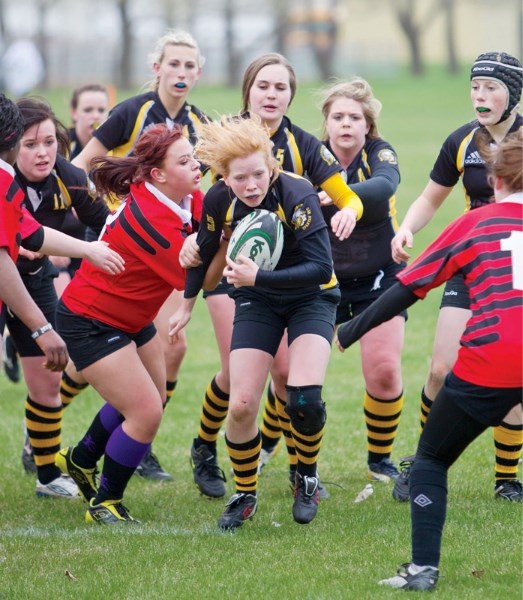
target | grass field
[{"x": 178, "y": 552}]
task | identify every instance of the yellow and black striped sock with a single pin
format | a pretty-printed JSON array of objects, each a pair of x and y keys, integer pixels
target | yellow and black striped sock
[
  {"x": 69, "y": 389},
  {"x": 270, "y": 429},
  {"x": 213, "y": 413},
  {"x": 170, "y": 386},
  {"x": 425, "y": 406},
  {"x": 307, "y": 450},
  {"x": 244, "y": 458},
  {"x": 508, "y": 441},
  {"x": 382, "y": 418},
  {"x": 44, "y": 428},
  {"x": 285, "y": 424}
]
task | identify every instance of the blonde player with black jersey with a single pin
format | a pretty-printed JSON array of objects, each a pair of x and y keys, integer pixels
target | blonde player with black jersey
[
  {"x": 268, "y": 88},
  {"x": 299, "y": 296},
  {"x": 363, "y": 263}
]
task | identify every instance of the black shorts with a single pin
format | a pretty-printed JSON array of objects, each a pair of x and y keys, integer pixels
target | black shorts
[
  {"x": 89, "y": 340},
  {"x": 456, "y": 293},
  {"x": 222, "y": 288},
  {"x": 485, "y": 404},
  {"x": 360, "y": 292},
  {"x": 261, "y": 317},
  {"x": 41, "y": 289}
]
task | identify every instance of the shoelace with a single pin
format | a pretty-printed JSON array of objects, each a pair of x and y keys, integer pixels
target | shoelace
[{"x": 211, "y": 468}]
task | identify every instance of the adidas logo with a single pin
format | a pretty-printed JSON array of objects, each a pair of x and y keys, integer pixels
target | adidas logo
[{"x": 474, "y": 159}]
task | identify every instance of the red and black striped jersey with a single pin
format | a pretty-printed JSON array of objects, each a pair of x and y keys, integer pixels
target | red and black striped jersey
[
  {"x": 486, "y": 247},
  {"x": 460, "y": 157},
  {"x": 148, "y": 231}
]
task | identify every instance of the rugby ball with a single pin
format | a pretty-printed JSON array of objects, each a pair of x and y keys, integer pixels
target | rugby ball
[{"x": 258, "y": 236}]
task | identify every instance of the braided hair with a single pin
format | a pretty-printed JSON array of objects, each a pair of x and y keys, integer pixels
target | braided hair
[
  {"x": 505, "y": 69},
  {"x": 11, "y": 124}
]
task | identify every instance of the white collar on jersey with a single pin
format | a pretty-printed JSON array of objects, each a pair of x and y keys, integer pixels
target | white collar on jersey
[
  {"x": 7, "y": 167},
  {"x": 182, "y": 210},
  {"x": 517, "y": 197}
]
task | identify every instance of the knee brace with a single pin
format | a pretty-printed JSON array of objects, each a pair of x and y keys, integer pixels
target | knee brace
[{"x": 305, "y": 408}]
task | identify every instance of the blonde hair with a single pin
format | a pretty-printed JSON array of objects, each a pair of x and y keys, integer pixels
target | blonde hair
[
  {"x": 355, "y": 89},
  {"x": 173, "y": 37},
  {"x": 220, "y": 142}
]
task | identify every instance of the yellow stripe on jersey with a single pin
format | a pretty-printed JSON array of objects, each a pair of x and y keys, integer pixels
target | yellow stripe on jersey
[
  {"x": 127, "y": 148},
  {"x": 460, "y": 160},
  {"x": 65, "y": 198},
  {"x": 295, "y": 153}
]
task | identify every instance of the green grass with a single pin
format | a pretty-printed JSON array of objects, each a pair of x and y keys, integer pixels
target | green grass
[{"x": 178, "y": 552}]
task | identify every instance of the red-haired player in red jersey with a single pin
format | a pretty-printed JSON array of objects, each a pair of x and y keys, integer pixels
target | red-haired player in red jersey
[
  {"x": 108, "y": 324},
  {"x": 486, "y": 247}
]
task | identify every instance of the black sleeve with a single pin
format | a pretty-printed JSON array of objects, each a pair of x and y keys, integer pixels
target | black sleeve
[
  {"x": 315, "y": 269},
  {"x": 388, "y": 305},
  {"x": 34, "y": 241}
]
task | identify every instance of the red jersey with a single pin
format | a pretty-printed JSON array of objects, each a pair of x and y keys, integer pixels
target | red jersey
[
  {"x": 486, "y": 246},
  {"x": 148, "y": 231},
  {"x": 16, "y": 222}
]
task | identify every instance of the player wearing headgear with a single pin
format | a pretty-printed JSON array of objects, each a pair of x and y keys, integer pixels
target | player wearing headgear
[
  {"x": 299, "y": 296},
  {"x": 496, "y": 84},
  {"x": 485, "y": 247}
]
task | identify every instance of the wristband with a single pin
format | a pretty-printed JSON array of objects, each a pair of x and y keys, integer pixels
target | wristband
[{"x": 41, "y": 330}]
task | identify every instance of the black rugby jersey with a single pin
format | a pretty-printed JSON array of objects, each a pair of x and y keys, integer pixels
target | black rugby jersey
[
  {"x": 459, "y": 157},
  {"x": 295, "y": 201},
  {"x": 127, "y": 120},
  {"x": 302, "y": 153},
  {"x": 49, "y": 201},
  {"x": 374, "y": 176}
]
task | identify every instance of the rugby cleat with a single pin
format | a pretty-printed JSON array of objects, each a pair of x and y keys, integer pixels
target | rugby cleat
[
  {"x": 109, "y": 512},
  {"x": 150, "y": 468},
  {"x": 306, "y": 498},
  {"x": 84, "y": 478},
  {"x": 240, "y": 508},
  {"x": 61, "y": 487},
  {"x": 423, "y": 581},
  {"x": 383, "y": 471},
  {"x": 400, "y": 491},
  {"x": 208, "y": 476},
  {"x": 509, "y": 489}
]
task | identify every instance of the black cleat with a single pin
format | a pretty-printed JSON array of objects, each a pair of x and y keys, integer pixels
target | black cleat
[
  {"x": 240, "y": 508},
  {"x": 383, "y": 471},
  {"x": 323, "y": 492},
  {"x": 509, "y": 489},
  {"x": 10, "y": 360},
  {"x": 400, "y": 491},
  {"x": 208, "y": 476},
  {"x": 423, "y": 581},
  {"x": 28, "y": 459},
  {"x": 150, "y": 468},
  {"x": 306, "y": 498}
]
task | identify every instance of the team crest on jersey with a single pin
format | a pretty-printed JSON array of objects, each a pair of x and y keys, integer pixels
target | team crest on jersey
[
  {"x": 91, "y": 189},
  {"x": 301, "y": 218},
  {"x": 387, "y": 155},
  {"x": 327, "y": 155},
  {"x": 211, "y": 226}
]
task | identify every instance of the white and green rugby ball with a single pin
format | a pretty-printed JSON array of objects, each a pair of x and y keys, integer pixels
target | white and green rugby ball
[{"x": 258, "y": 236}]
